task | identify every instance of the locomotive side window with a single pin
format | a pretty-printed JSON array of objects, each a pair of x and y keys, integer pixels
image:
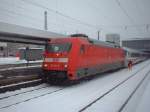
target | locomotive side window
[
  {"x": 82, "y": 49},
  {"x": 1, "y": 48},
  {"x": 59, "y": 47}
]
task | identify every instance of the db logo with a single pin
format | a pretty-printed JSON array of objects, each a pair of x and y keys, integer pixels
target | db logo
[{"x": 55, "y": 59}]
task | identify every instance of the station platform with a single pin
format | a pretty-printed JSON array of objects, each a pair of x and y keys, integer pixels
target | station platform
[{"x": 15, "y": 60}]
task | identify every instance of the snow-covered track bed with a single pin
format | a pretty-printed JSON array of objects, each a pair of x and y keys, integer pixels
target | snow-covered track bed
[
  {"x": 18, "y": 77},
  {"x": 24, "y": 82},
  {"x": 13, "y": 99},
  {"x": 25, "y": 90},
  {"x": 19, "y": 71}
]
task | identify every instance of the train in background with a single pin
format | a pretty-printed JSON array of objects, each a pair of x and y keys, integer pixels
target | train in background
[
  {"x": 135, "y": 56},
  {"x": 30, "y": 54},
  {"x": 78, "y": 56}
]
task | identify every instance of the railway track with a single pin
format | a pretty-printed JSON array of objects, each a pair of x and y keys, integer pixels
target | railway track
[
  {"x": 19, "y": 71},
  {"x": 23, "y": 84},
  {"x": 10, "y": 71},
  {"x": 27, "y": 91},
  {"x": 48, "y": 92},
  {"x": 19, "y": 77},
  {"x": 137, "y": 87},
  {"x": 118, "y": 85}
]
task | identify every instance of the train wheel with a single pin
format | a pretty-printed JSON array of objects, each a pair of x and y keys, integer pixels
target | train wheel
[{"x": 44, "y": 77}]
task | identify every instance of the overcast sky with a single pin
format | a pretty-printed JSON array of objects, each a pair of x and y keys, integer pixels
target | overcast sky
[{"x": 129, "y": 18}]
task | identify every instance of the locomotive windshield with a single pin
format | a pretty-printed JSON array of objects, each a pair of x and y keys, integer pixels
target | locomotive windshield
[{"x": 59, "y": 47}]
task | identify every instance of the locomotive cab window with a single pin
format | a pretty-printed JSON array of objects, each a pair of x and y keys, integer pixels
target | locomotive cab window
[{"x": 59, "y": 47}]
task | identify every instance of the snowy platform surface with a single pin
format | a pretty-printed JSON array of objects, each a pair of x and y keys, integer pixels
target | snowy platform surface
[
  {"x": 14, "y": 60},
  {"x": 9, "y": 60},
  {"x": 48, "y": 98}
]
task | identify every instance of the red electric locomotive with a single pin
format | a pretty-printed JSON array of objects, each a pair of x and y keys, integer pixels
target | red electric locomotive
[{"x": 78, "y": 56}]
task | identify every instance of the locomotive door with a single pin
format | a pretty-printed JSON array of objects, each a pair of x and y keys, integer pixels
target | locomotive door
[
  {"x": 84, "y": 58},
  {"x": 82, "y": 55}
]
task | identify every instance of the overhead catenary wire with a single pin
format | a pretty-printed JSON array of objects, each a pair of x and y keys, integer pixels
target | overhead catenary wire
[
  {"x": 75, "y": 21},
  {"x": 90, "y": 3},
  {"x": 127, "y": 25},
  {"x": 27, "y": 18},
  {"x": 37, "y": 20},
  {"x": 124, "y": 26},
  {"x": 60, "y": 13},
  {"x": 96, "y": 8},
  {"x": 129, "y": 17}
]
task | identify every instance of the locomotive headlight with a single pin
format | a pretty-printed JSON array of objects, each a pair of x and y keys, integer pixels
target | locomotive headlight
[
  {"x": 45, "y": 65},
  {"x": 65, "y": 65}
]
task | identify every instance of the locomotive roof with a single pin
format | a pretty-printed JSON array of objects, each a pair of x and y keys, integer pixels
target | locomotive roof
[
  {"x": 92, "y": 41},
  {"x": 98, "y": 42}
]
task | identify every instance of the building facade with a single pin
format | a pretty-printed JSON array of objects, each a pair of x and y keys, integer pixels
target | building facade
[{"x": 139, "y": 44}]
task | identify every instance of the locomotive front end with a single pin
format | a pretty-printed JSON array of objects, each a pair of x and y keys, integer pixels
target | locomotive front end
[{"x": 56, "y": 60}]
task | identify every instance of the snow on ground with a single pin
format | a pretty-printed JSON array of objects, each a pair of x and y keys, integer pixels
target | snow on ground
[
  {"x": 113, "y": 101},
  {"x": 26, "y": 96},
  {"x": 22, "y": 90},
  {"x": 144, "y": 105},
  {"x": 14, "y": 60},
  {"x": 72, "y": 98},
  {"x": 9, "y": 60},
  {"x": 135, "y": 101}
]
